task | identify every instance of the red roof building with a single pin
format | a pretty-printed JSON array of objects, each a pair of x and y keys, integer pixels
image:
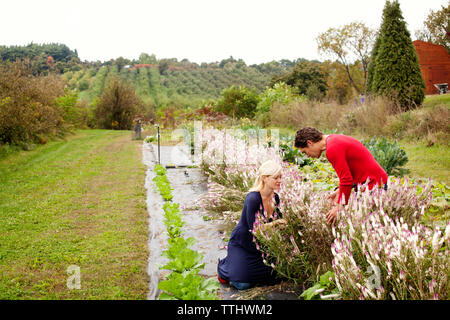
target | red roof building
[
  {"x": 434, "y": 62},
  {"x": 145, "y": 65}
]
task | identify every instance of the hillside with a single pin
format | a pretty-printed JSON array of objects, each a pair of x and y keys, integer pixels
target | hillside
[
  {"x": 158, "y": 82},
  {"x": 180, "y": 83}
]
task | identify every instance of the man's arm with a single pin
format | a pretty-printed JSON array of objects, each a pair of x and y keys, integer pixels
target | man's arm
[{"x": 338, "y": 160}]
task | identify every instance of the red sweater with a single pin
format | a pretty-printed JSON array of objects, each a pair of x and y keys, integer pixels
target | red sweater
[{"x": 353, "y": 164}]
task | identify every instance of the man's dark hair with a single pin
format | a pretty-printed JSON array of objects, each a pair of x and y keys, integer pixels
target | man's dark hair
[{"x": 305, "y": 134}]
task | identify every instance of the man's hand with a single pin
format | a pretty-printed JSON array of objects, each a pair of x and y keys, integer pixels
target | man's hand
[
  {"x": 332, "y": 215},
  {"x": 334, "y": 196}
]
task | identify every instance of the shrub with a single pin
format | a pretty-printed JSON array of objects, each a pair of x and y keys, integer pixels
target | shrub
[
  {"x": 28, "y": 111},
  {"x": 299, "y": 114},
  {"x": 238, "y": 102},
  {"x": 118, "y": 106},
  {"x": 83, "y": 85},
  {"x": 280, "y": 92},
  {"x": 421, "y": 123},
  {"x": 369, "y": 118},
  {"x": 73, "y": 111},
  {"x": 389, "y": 155}
]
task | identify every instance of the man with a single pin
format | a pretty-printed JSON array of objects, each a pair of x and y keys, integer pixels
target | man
[{"x": 352, "y": 161}]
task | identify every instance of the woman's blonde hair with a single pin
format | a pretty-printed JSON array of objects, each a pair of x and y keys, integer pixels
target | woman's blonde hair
[{"x": 268, "y": 168}]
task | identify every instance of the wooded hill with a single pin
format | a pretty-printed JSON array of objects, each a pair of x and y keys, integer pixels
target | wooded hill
[{"x": 159, "y": 82}]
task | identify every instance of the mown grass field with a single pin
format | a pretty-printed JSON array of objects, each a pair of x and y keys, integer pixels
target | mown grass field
[{"x": 78, "y": 201}]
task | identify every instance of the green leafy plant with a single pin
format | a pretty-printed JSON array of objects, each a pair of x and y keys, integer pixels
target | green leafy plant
[
  {"x": 389, "y": 155},
  {"x": 325, "y": 288},
  {"x": 290, "y": 153},
  {"x": 293, "y": 155},
  {"x": 181, "y": 257},
  {"x": 163, "y": 187},
  {"x": 188, "y": 286},
  {"x": 184, "y": 263},
  {"x": 173, "y": 219},
  {"x": 321, "y": 174},
  {"x": 160, "y": 170},
  {"x": 162, "y": 183}
]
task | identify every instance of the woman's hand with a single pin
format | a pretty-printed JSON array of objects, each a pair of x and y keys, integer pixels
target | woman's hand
[{"x": 281, "y": 223}]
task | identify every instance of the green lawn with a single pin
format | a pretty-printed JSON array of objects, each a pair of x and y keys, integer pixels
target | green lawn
[
  {"x": 79, "y": 201},
  {"x": 429, "y": 162},
  {"x": 432, "y": 100}
]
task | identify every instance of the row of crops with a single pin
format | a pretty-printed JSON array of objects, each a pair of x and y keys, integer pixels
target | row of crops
[
  {"x": 179, "y": 86},
  {"x": 183, "y": 281}
]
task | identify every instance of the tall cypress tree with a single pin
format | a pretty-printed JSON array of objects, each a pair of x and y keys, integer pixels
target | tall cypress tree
[
  {"x": 396, "y": 71},
  {"x": 371, "y": 66},
  {"x": 376, "y": 49}
]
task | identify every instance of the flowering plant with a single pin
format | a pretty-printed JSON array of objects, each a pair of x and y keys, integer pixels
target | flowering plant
[
  {"x": 382, "y": 251},
  {"x": 380, "y": 248}
]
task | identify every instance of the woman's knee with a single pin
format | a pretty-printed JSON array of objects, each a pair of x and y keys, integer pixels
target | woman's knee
[{"x": 242, "y": 285}]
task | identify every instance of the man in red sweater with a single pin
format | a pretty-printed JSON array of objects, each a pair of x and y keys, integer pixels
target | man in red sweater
[{"x": 352, "y": 161}]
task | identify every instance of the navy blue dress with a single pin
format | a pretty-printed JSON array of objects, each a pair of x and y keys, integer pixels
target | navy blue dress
[{"x": 244, "y": 262}]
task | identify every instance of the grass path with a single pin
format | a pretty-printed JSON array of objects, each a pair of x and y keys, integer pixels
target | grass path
[{"x": 75, "y": 202}]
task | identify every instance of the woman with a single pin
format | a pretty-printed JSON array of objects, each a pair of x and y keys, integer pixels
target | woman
[{"x": 244, "y": 266}]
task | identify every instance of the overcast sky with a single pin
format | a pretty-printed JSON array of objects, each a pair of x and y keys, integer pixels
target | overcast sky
[{"x": 200, "y": 30}]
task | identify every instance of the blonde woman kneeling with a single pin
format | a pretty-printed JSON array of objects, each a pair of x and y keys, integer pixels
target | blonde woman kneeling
[{"x": 243, "y": 266}]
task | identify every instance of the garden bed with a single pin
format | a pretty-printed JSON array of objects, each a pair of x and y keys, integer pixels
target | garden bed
[{"x": 188, "y": 185}]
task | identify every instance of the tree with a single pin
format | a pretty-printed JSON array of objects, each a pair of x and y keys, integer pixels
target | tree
[
  {"x": 371, "y": 67},
  {"x": 121, "y": 62},
  {"x": 436, "y": 28},
  {"x": 305, "y": 76},
  {"x": 281, "y": 93},
  {"x": 238, "y": 102},
  {"x": 396, "y": 69},
  {"x": 354, "y": 39},
  {"x": 118, "y": 106},
  {"x": 163, "y": 66},
  {"x": 225, "y": 61},
  {"x": 144, "y": 58},
  {"x": 339, "y": 88}
]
